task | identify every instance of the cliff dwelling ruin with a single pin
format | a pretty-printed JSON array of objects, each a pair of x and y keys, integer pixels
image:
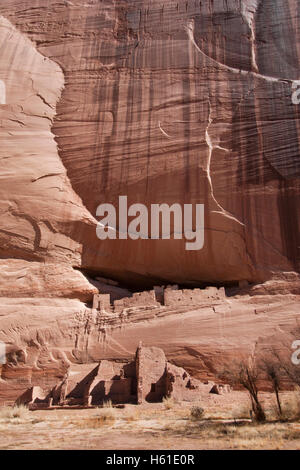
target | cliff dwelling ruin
[
  {"x": 148, "y": 378},
  {"x": 170, "y": 296}
]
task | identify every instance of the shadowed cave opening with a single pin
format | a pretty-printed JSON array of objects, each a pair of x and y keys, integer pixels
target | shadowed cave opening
[{"x": 118, "y": 288}]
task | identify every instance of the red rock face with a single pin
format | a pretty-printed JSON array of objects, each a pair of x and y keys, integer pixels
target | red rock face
[
  {"x": 165, "y": 102},
  {"x": 186, "y": 102}
]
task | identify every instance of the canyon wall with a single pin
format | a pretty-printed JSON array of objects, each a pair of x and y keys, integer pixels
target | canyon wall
[
  {"x": 176, "y": 101},
  {"x": 165, "y": 102}
]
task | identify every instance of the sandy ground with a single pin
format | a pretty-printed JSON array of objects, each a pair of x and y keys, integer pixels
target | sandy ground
[{"x": 150, "y": 426}]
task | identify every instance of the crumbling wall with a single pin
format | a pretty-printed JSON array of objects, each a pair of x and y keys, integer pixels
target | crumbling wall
[
  {"x": 139, "y": 299},
  {"x": 32, "y": 395},
  {"x": 159, "y": 294},
  {"x": 78, "y": 386},
  {"x": 114, "y": 381},
  {"x": 59, "y": 392},
  {"x": 147, "y": 378},
  {"x": 180, "y": 385},
  {"x": 118, "y": 390},
  {"x": 221, "y": 389},
  {"x": 102, "y": 303},
  {"x": 187, "y": 297},
  {"x": 170, "y": 296},
  {"x": 151, "y": 377}
]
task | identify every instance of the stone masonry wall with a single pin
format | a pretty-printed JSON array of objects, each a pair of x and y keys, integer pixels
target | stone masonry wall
[
  {"x": 192, "y": 296},
  {"x": 139, "y": 299}
]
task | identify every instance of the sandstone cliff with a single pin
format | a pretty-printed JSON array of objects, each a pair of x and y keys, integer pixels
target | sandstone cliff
[{"x": 163, "y": 101}]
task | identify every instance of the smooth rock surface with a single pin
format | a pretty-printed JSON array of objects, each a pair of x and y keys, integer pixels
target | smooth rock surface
[{"x": 165, "y": 102}]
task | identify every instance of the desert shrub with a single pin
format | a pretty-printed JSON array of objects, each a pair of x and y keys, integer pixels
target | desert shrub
[
  {"x": 273, "y": 372},
  {"x": 169, "y": 403},
  {"x": 273, "y": 413},
  {"x": 14, "y": 412},
  {"x": 107, "y": 404},
  {"x": 291, "y": 407},
  {"x": 242, "y": 411},
  {"x": 291, "y": 434},
  {"x": 246, "y": 372},
  {"x": 107, "y": 412},
  {"x": 197, "y": 412},
  {"x": 107, "y": 419}
]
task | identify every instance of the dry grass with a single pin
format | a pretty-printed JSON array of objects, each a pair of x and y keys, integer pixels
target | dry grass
[
  {"x": 169, "y": 403},
  {"x": 95, "y": 422},
  {"x": 105, "y": 417},
  {"x": 241, "y": 411},
  {"x": 132, "y": 415},
  {"x": 107, "y": 404},
  {"x": 237, "y": 435},
  {"x": 150, "y": 426},
  {"x": 291, "y": 406},
  {"x": 15, "y": 413}
]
